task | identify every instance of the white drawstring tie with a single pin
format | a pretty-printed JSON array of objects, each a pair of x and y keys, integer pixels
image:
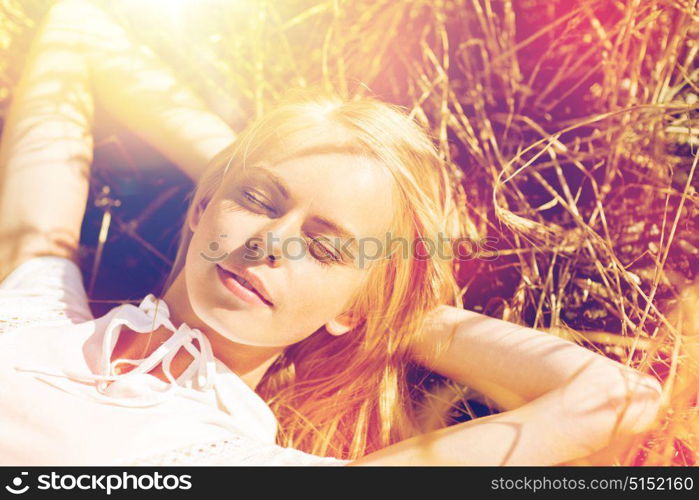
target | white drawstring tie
[{"x": 150, "y": 315}]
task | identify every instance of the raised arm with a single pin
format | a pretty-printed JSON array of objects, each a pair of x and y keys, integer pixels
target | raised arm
[
  {"x": 145, "y": 94},
  {"x": 80, "y": 56},
  {"x": 561, "y": 401},
  {"x": 566, "y": 424},
  {"x": 512, "y": 364}
]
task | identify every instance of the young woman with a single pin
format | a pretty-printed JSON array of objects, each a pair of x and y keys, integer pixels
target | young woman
[{"x": 287, "y": 327}]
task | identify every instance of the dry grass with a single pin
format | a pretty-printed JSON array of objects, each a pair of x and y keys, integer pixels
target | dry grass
[{"x": 571, "y": 128}]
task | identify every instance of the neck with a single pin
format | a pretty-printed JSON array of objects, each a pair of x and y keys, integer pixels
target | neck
[{"x": 249, "y": 362}]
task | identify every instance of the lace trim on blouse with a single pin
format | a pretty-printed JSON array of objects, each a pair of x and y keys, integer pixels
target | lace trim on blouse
[{"x": 235, "y": 450}]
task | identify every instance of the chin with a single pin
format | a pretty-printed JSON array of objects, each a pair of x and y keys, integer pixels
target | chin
[
  {"x": 239, "y": 333},
  {"x": 230, "y": 324}
]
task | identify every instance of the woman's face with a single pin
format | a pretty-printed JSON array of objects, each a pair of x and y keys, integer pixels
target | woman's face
[{"x": 287, "y": 209}]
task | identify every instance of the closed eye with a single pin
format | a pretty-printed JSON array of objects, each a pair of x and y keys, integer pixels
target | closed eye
[
  {"x": 325, "y": 255},
  {"x": 257, "y": 201}
]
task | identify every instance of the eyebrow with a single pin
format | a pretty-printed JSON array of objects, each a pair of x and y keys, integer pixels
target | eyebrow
[
  {"x": 276, "y": 181},
  {"x": 334, "y": 227},
  {"x": 331, "y": 226}
]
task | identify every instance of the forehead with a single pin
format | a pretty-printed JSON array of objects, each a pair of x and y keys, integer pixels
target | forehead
[{"x": 352, "y": 190}]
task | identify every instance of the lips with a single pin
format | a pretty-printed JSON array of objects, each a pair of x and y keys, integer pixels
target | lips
[{"x": 245, "y": 286}]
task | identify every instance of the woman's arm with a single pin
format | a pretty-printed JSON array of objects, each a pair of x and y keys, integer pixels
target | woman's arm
[
  {"x": 80, "y": 55},
  {"x": 567, "y": 423},
  {"x": 138, "y": 89},
  {"x": 46, "y": 150},
  {"x": 512, "y": 364},
  {"x": 562, "y": 401}
]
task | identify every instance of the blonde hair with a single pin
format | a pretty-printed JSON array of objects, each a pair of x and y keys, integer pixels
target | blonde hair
[{"x": 348, "y": 395}]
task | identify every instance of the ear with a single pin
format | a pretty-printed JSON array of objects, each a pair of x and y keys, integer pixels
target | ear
[
  {"x": 341, "y": 324},
  {"x": 195, "y": 216}
]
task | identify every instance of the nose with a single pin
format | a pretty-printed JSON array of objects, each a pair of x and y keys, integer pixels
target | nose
[
  {"x": 271, "y": 255},
  {"x": 269, "y": 245}
]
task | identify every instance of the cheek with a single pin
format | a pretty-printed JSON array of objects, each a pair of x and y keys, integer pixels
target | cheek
[
  {"x": 322, "y": 294},
  {"x": 222, "y": 232}
]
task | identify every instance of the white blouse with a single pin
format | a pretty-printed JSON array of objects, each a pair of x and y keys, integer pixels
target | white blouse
[{"x": 62, "y": 404}]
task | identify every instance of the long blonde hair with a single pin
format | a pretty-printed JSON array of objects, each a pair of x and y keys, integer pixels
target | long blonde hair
[{"x": 348, "y": 395}]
